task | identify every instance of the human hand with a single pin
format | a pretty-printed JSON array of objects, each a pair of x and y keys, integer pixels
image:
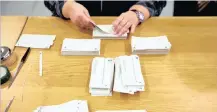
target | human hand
[
  {"x": 124, "y": 22},
  {"x": 79, "y": 15}
]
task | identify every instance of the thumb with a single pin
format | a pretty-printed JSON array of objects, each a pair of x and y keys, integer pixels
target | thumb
[{"x": 133, "y": 27}]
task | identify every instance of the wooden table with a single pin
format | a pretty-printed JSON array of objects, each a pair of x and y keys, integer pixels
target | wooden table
[
  {"x": 185, "y": 80},
  {"x": 11, "y": 28}
]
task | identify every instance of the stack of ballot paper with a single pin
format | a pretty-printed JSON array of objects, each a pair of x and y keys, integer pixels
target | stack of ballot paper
[
  {"x": 150, "y": 45},
  {"x": 80, "y": 47},
  {"x": 121, "y": 111},
  {"x": 36, "y": 41},
  {"x": 101, "y": 79},
  {"x": 71, "y": 106},
  {"x": 128, "y": 75},
  {"x": 107, "y": 33}
]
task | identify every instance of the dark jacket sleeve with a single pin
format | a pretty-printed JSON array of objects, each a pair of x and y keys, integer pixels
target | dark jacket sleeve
[
  {"x": 55, "y": 6},
  {"x": 155, "y": 7}
]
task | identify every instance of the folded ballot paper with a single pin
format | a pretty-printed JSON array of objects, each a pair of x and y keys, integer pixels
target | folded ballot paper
[
  {"x": 128, "y": 75},
  {"x": 150, "y": 45},
  {"x": 71, "y": 106},
  {"x": 106, "y": 32},
  {"x": 80, "y": 47},
  {"x": 36, "y": 41},
  {"x": 121, "y": 111},
  {"x": 101, "y": 79}
]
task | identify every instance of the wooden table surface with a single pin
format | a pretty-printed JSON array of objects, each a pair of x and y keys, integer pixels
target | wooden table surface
[
  {"x": 11, "y": 28},
  {"x": 185, "y": 80}
]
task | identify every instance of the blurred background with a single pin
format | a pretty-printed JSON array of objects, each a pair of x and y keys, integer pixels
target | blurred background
[{"x": 37, "y": 8}]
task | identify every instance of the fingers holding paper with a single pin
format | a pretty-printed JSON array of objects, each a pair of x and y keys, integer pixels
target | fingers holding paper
[
  {"x": 79, "y": 15},
  {"x": 83, "y": 22},
  {"x": 124, "y": 22}
]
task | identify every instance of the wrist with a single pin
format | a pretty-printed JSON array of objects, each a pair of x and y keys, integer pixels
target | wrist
[
  {"x": 139, "y": 15},
  {"x": 141, "y": 9},
  {"x": 135, "y": 16}
]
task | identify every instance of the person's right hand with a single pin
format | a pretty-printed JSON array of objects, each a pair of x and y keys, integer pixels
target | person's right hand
[{"x": 78, "y": 14}]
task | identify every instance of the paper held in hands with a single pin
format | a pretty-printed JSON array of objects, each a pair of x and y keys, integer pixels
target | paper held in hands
[{"x": 109, "y": 35}]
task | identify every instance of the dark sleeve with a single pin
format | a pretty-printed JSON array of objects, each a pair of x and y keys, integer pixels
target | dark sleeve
[
  {"x": 55, "y": 7},
  {"x": 155, "y": 7}
]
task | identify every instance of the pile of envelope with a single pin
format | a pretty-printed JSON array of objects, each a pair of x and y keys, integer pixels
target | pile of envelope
[
  {"x": 106, "y": 32},
  {"x": 71, "y": 106},
  {"x": 128, "y": 75},
  {"x": 81, "y": 47},
  {"x": 101, "y": 79},
  {"x": 150, "y": 45},
  {"x": 36, "y": 41}
]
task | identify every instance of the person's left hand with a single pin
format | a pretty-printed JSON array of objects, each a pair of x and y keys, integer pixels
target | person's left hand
[{"x": 124, "y": 22}]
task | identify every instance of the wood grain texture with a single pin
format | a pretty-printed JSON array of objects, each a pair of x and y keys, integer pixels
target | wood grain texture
[
  {"x": 185, "y": 80},
  {"x": 11, "y": 27}
]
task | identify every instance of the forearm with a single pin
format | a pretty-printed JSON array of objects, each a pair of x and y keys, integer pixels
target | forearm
[
  {"x": 57, "y": 8},
  {"x": 149, "y": 8}
]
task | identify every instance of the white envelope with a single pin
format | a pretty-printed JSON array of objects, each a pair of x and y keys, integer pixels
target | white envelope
[
  {"x": 101, "y": 79},
  {"x": 80, "y": 47},
  {"x": 150, "y": 45},
  {"x": 36, "y": 41},
  {"x": 128, "y": 75}
]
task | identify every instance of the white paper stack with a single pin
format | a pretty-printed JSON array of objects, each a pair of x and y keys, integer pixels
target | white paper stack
[
  {"x": 71, "y": 106},
  {"x": 101, "y": 79},
  {"x": 109, "y": 35},
  {"x": 36, "y": 41},
  {"x": 80, "y": 47},
  {"x": 150, "y": 45},
  {"x": 128, "y": 75},
  {"x": 121, "y": 111}
]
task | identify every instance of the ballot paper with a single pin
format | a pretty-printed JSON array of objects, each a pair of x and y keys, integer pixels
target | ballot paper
[
  {"x": 121, "y": 111},
  {"x": 128, "y": 75},
  {"x": 71, "y": 106},
  {"x": 150, "y": 45},
  {"x": 101, "y": 79},
  {"x": 80, "y": 47},
  {"x": 98, "y": 34},
  {"x": 36, "y": 41}
]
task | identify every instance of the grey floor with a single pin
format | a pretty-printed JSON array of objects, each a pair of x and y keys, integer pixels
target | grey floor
[{"x": 37, "y": 8}]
